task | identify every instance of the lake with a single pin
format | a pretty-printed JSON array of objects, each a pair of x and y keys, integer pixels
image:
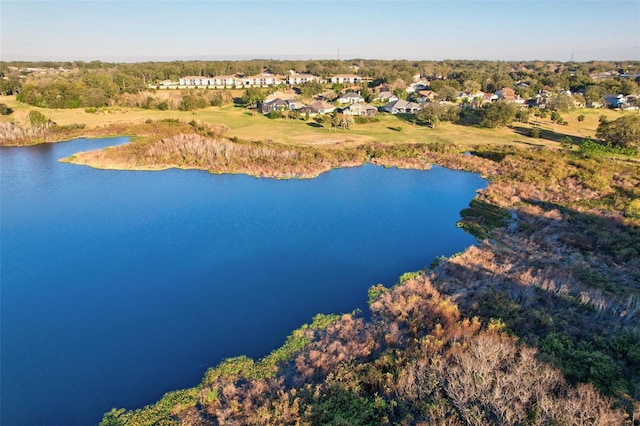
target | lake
[{"x": 118, "y": 286}]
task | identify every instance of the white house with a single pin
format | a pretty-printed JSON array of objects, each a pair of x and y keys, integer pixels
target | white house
[
  {"x": 386, "y": 96},
  {"x": 195, "y": 81},
  {"x": 346, "y": 78},
  {"x": 296, "y": 78},
  {"x": 360, "y": 109},
  {"x": 350, "y": 98},
  {"x": 260, "y": 80}
]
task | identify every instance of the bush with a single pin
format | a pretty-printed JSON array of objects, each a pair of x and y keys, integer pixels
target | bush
[
  {"x": 534, "y": 132},
  {"x": 633, "y": 209},
  {"x": 365, "y": 120},
  {"x": 623, "y": 132},
  {"x": 5, "y": 109},
  {"x": 67, "y": 127}
]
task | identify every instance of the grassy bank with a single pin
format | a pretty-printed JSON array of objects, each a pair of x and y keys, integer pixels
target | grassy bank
[{"x": 247, "y": 125}]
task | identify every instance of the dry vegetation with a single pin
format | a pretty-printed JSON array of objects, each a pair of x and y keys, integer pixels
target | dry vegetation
[
  {"x": 416, "y": 361},
  {"x": 538, "y": 324}
]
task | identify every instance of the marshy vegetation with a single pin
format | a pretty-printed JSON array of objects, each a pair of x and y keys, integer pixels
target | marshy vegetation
[{"x": 537, "y": 324}]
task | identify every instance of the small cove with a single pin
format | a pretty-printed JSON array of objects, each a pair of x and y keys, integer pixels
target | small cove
[{"x": 118, "y": 286}]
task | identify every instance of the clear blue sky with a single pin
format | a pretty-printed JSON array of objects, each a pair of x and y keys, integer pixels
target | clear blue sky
[{"x": 167, "y": 30}]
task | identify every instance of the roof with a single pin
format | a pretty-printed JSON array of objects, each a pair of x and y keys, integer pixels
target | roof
[
  {"x": 302, "y": 75},
  {"x": 277, "y": 102},
  {"x": 321, "y": 105},
  {"x": 351, "y": 95},
  {"x": 361, "y": 106},
  {"x": 401, "y": 103},
  {"x": 289, "y": 94},
  {"x": 385, "y": 95}
]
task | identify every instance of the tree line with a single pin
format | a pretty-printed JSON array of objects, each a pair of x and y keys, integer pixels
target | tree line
[{"x": 109, "y": 79}]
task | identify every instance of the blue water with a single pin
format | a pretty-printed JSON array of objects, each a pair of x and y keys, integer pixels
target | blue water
[{"x": 118, "y": 286}]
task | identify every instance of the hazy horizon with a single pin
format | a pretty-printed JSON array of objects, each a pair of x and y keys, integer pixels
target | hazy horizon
[{"x": 140, "y": 31}]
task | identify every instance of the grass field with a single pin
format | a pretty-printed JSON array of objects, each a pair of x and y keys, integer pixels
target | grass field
[{"x": 245, "y": 124}]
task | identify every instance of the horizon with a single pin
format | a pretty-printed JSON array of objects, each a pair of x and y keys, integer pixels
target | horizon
[
  {"x": 487, "y": 30},
  {"x": 293, "y": 58}
]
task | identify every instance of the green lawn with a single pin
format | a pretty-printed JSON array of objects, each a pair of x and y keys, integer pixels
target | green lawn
[{"x": 245, "y": 124}]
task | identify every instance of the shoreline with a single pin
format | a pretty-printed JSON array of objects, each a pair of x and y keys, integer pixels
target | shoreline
[
  {"x": 519, "y": 211},
  {"x": 552, "y": 196}
]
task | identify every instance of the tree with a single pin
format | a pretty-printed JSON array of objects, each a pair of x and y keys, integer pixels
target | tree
[
  {"x": 471, "y": 86},
  {"x": 623, "y": 132},
  {"x": 37, "y": 119},
  {"x": 594, "y": 94},
  {"x": 311, "y": 88},
  {"x": 447, "y": 93},
  {"x": 497, "y": 114},
  {"x": 192, "y": 102},
  {"x": 252, "y": 96},
  {"x": 432, "y": 114},
  {"x": 561, "y": 103},
  {"x": 523, "y": 115}
]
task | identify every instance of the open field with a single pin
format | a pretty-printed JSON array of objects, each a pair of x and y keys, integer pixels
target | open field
[{"x": 249, "y": 125}]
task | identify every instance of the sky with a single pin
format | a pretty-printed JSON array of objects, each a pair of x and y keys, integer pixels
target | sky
[{"x": 138, "y": 30}]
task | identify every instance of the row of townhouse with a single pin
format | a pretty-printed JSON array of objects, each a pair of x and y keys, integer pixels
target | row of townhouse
[{"x": 260, "y": 80}]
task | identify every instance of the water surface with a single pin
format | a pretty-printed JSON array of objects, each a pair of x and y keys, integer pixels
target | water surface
[{"x": 118, "y": 286}]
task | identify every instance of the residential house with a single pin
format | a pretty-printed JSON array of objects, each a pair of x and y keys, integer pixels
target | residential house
[
  {"x": 273, "y": 105},
  {"x": 386, "y": 96},
  {"x": 507, "y": 94},
  {"x": 489, "y": 97},
  {"x": 321, "y": 107},
  {"x": 401, "y": 107},
  {"x": 327, "y": 96},
  {"x": 426, "y": 96},
  {"x": 295, "y": 104},
  {"x": 417, "y": 86},
  {"x": 350, "y": 98},
  {"x": 615, "y": 101},
  {"x": 195, "y": 81},
  {"x": 224, "y": 81},
  {"x": 346, "y": 78},
  {"x": 168, "y": 83},
  {"x": 360, "y": 109},
  {"x": 286, "y": 95},
  {"x": 537, "y": 102},
  {"x": 602, "y": 75},
  {"x": 260, "y": 80},
  {"x": 296, "y": 78},
  {"x": 632, "y": 101}
]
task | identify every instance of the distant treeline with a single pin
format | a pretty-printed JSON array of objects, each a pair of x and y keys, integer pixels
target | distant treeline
[{"x": 96, "y": 84}]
